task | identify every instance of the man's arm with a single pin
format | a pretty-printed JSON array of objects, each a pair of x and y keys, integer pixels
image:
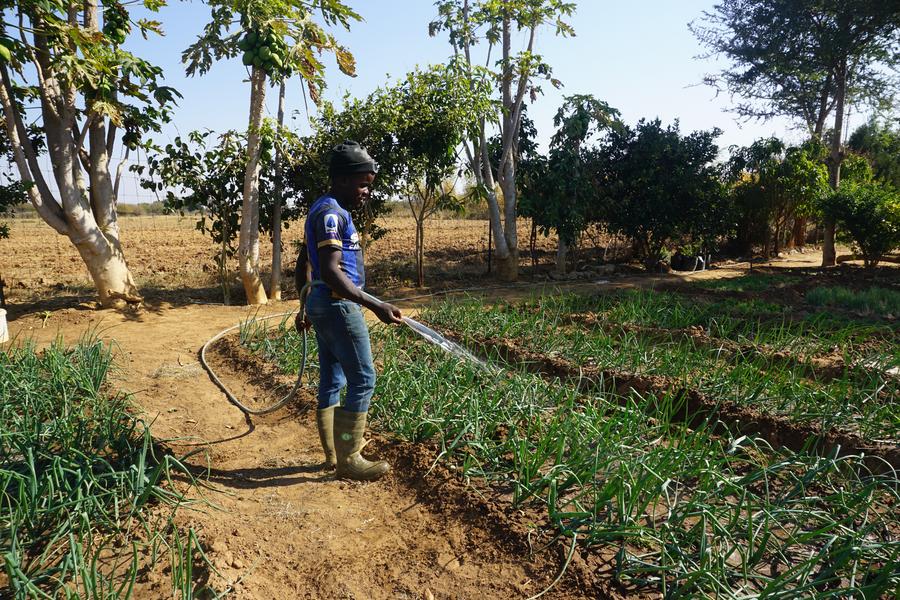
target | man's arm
[{"x": 336, "y": 279}]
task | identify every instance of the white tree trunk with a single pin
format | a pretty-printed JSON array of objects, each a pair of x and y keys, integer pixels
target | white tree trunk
[
  {"x": 89, "y": 223},
  {"x": 562, "y": 250},
  {"x": 248, "y": 249},
  {"x": 275, "y": 287}
]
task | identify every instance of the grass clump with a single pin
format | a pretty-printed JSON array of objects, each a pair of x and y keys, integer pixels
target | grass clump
[
  {"x": 761, "y": 282},
  {"x": 873, "y": 301},
  {"x": 77, "y": 470}
]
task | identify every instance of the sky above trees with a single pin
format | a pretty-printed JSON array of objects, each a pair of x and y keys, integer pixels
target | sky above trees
[{"x": 639, "y": 57}]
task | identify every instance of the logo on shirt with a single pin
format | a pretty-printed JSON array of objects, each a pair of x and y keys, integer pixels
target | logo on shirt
[
  {"x": 354, "y": 241},
  {"x": 331, "y": 223}
]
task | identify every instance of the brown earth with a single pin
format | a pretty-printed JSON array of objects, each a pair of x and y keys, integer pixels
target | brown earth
[{"x": 172, "y": 261}]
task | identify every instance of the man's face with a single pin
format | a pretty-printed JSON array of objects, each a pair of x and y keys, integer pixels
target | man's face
[{"x": 352, "y": 191}]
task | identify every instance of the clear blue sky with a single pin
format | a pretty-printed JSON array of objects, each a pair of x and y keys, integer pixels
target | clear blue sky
[{"x": 638, "y": 56}]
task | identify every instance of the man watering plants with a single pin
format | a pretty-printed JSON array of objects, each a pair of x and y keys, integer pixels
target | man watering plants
[{"x": 335, "y": 267}]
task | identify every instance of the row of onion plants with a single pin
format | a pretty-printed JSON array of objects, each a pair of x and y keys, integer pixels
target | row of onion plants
[
  {"x": 79, "y": 477},
  {"x": 687, "y": 513},
  {"x": 858, "y": 402}
]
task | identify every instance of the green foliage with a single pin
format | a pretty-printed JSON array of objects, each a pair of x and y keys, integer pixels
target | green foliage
[
  {"x": 206, "y": 175},
  {"x": 560, "y": 192},
  {"x": 411, "y": 128},
  {"x": 113, "y": 82},
  {"x": 278, "y": 36},
  {"x": 868, "y": 215},
  {"x": 792, "y": 57},
  {"x": 662, "y": 185},
  {"x": 77, "y": 470},
  {"x": 874, "y": 300},
  {"x": 880, "y": 144},
  {"x": 771, "y": 185}
]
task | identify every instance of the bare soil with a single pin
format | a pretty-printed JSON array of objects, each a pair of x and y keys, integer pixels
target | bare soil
[{"x": 173, "y": 262}]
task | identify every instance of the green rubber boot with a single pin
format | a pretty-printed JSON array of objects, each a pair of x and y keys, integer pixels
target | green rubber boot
[
  {"x": 325, "y": 423},
  {"x": 349, "y": 428}
]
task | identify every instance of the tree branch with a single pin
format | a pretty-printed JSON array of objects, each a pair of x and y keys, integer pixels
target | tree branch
[{"x": 39, "y": 193}]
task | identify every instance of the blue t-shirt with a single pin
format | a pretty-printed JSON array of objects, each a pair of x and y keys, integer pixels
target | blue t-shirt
[{"x": 330, "y": 225}]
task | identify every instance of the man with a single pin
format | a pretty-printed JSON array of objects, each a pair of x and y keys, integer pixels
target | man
[{"x": 333, "y": 309}]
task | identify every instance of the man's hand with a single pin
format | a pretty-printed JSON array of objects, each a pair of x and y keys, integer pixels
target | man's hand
[
  {"x": 302, "y": 322},
  {"x": 388, "y": 313}
]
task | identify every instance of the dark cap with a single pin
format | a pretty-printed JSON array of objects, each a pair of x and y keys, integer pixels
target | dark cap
[{"x": 348, "y": 158}]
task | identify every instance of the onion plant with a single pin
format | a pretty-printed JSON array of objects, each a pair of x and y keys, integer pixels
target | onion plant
[
  {"x": 861, "y": 400},
  {"x": 690, "y": 514},
  {"x": 77, "y": 472}
]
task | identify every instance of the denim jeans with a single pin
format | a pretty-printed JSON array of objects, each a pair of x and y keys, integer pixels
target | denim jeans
[{"x": 345, "y": 355}]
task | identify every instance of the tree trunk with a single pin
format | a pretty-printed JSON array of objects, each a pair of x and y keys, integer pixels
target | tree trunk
[
  {"x": 420, "y": 251},
  {"x": 799, "y": 234},
  {"x": 508, "y": 266},
  {"x": 532, "y": 243},
  {"x": 248, "y": 249},
  {"x": 91, "y": 225},
  {"x": 275, "y": 287},
  {"x": 561, "y": 251},
  {"x": 834, "y": 164}
]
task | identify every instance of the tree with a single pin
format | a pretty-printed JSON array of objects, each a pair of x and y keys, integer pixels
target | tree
[
  {"x": 262, "y": 30},
  {"x": 806, "y": 59},
  {"x": 367, "y": 121},
  {"x": 658, "y": 182},
  {"x": 58, "y": 58},
  {"x": 436, "y": 109},
  {"x": 494, "y": 22},
  {"x": 869, "y": 215},
  {"x": 880, "y": 144},
  {"x": 561, "y": 193},
  {"x": 774, "y": 187},
  {"x": 278, "y": 201},
  {"x": 205, "y": 174},
  {"x": 412, "y": 129}
]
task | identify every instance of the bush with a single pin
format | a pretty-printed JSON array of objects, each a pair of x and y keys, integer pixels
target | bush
[{"x": 868, "y": 215}]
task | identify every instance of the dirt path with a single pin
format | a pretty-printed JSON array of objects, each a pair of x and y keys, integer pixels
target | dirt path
[{"x": 286, "y": 529}]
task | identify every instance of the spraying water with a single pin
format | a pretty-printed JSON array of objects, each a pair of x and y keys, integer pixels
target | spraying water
[{"x": 440, "y": 341}]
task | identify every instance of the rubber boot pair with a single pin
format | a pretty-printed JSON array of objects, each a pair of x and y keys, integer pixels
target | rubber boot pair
[{"x": 341, "y": 433}]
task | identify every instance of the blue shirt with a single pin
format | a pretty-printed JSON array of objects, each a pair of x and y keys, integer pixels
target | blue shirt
[{"x": 328, "y": 224}]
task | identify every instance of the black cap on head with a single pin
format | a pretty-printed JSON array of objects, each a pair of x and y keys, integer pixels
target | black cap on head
[{"x": 348, "y": 158}]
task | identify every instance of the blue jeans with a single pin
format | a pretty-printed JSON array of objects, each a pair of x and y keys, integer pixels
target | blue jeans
[{"x": 345, "y": 355}]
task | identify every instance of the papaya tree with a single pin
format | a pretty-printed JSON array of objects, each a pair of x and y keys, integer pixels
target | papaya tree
[
  {"x": 490, "y": 25},
  {"x": 204, "y": 174},
  {"x": 65, "y": 59},
  {"x": 275, "y": 39}
]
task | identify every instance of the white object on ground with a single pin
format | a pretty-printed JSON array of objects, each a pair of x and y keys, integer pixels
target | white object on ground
[{"x": 4, "y": 329}]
